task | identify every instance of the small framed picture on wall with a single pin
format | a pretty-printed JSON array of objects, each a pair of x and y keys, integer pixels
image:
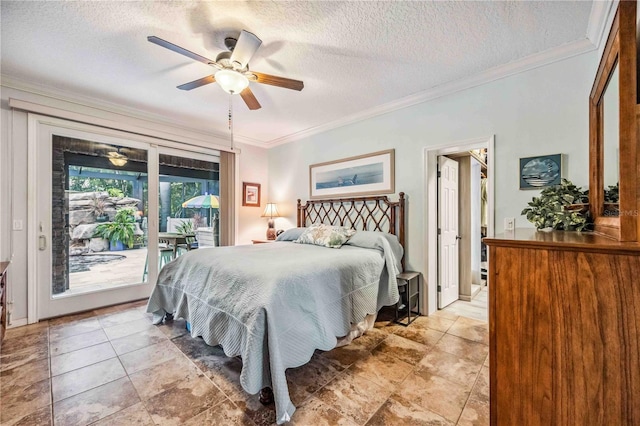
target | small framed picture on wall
[
  {"x": 540, "y": 172},
  {"x": 250, "y": 194}
]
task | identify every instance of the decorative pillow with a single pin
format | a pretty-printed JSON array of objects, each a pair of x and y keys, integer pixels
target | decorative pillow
[
  {"x": 291, "y": 234},
  {"x": 325, "y": 235}
]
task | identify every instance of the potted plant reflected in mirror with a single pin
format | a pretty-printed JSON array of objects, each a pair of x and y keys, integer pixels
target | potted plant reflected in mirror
[
  {"x": 120, "y": 232},
  {"x": 97, "y": 207},
  {"x": 612, "y": 200},
  {"x": 562, "y": 207}
]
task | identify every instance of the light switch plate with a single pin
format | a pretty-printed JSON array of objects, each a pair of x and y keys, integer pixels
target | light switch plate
[{"x": 509, "y": 223}]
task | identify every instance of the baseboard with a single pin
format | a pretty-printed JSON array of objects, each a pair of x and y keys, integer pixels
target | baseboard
[
  {"x": 17, "y": 323},
  {"x": 465, "y": 298}
]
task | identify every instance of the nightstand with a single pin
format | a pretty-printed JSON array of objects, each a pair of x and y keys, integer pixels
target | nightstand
[
  {"x": 409, "y": 289},
  {"x": 262, "y": 241}
]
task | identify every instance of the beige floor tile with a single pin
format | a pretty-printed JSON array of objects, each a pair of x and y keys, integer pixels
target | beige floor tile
[
  {"x": 434, "y": 322},
  {"x": 183, "y": 401},
  {"x": 475, "y": 413},
  {"x": 39, "y": 417},
  {"x": 382, "y": 369},
  {"x": 436, "y": 394},
  {"x": 16, "y": 379},
  {"x": 147, "y": 337},
  {"x": 345, "y": 355},
  {"x": 71, "y": 318},
  {"x": 370, "y": 339},
  {"x": 480, "y": 391},
  {"x": 317, "y": 413},
  {"x": 39, "y": 327},
  {"x": 80, "y": 341},
  {"x": 444, "y": 314},
  {"x": 426, "y": 336},
  {"x": 403, "y": 349},
  {"x": 149, "y": 356},
  {"x": 307, "y": 379},
  {"x": 81, "y": 358},
  {"x": 118, "y": 318},
  {"x": 24, "y": 356},
  {"x": 21, "y": 343},
  {"x": 471, "y": 350},
  {"x": 164, "y": 376},
  {"x": 470, "y": 329},
  {"x": 73, "y": 328},
  {"x": 399, "y": 411},
  {"x": 353, "y": 396},
  {"x": 260, "y": 415},
  {"x": 24, "y": 401},
  {"x": 85, "y": 378},
  {"x": 95, "y": 404},
  {"x": 136, "y": 415},
  {"x": 225, "y": 413},
  {"x": 129, "y": 328},
  {"x": 451, "y": 367},
  {"x": 174, "y": 328}
]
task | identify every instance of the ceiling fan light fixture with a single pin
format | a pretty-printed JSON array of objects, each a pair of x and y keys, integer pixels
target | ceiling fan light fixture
[
  {"x": 117, "y": 159},
  {"x": 231, "y": 81}
]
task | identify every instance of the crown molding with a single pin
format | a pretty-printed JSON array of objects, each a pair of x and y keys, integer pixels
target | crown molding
[
  {"x": 599, "y": 21},
  {"x": 111, "y": 107},
  {"x": 530, "y": 62}
]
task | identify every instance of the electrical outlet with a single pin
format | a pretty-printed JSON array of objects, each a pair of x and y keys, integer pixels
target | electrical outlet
[
  {"x": 509, "y": 223},
  {"x": 17, "y": 225}
]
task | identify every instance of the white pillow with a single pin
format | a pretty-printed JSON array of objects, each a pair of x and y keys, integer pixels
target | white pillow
[{"x": 325, "y": 235}]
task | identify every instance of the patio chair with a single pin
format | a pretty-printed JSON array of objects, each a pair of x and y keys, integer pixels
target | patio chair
[
  {"x": 165, "y": 256},
  {"x": 205, "y": 237}
]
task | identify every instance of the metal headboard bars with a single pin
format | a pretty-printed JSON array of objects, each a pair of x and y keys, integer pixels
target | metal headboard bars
[{"x": 362, "y": 213}]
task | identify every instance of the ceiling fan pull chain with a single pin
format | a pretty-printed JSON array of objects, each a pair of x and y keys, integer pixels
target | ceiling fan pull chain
[{"x": 231, "y": 118}]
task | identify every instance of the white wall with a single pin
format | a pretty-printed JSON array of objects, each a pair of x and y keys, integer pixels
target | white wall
[
  {"x": 541, "y": 111},
  {"x": 253, "y": 168}
]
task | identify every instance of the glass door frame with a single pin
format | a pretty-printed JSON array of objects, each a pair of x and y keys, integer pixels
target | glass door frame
[{"x": 41, "y": 303}]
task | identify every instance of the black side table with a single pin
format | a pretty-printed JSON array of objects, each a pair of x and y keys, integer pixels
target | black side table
[{"x": 409, "y": 289}]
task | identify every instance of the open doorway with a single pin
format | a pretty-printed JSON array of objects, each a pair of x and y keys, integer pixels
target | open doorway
[{"x": 459, "y": 215}]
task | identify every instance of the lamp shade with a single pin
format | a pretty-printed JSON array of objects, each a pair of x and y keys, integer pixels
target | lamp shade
[
  {"x": 270, "y": 211},
  {"x": 231, "y": 81}
]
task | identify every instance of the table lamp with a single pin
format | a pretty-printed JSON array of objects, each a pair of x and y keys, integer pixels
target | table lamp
[{"x": 271, "y": 211}]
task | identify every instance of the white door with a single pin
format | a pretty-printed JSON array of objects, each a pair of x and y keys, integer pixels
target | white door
[
  {"x": 61, "y": 277},
  {"x": 448, "y": 253}
]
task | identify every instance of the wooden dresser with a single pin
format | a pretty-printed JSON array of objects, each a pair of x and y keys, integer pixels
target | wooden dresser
[
  {"x": 564, "y": 321},
  {"x": 3, "y": 298}
]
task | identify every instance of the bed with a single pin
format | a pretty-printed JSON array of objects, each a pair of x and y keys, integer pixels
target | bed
[{"x": 275, "y": 304}]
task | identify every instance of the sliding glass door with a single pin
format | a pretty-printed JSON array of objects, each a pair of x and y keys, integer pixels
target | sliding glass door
[{"x": 103, "y": 201}]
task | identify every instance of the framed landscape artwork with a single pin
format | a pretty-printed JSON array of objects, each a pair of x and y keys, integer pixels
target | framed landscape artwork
[
  {"x": 250, "y": 194},
  {"x": 540, "y": 172},
  {"x": 368, "y": 174}
]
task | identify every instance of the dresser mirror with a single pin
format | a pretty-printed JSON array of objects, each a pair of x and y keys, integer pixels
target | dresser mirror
[
  {"x": 610, "y": 140},
  {"x": 613, "y": 142}
]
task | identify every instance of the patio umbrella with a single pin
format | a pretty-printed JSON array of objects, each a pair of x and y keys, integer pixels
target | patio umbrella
[{"x": 203, "y": 201}]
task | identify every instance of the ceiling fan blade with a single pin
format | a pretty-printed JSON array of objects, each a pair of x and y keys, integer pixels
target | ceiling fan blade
[
  {"x": 249, "y": 98},
  {"x": 197, "y": 83},
  {"x": 273, "y": 80},
  {"x": 246, "y": 46},
  {"x": 180, "y": 50}
]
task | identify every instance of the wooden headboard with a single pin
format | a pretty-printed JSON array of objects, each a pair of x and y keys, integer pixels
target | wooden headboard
[{"x": 363, "y": 214}]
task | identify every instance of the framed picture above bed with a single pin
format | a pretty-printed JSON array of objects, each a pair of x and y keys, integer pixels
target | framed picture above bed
[
  {"x": 250, "y": 194},
  {"x": 368, "y": 174}
]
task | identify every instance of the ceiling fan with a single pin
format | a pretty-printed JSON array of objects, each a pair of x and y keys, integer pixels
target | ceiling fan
[{"x": 233, "y": 73}]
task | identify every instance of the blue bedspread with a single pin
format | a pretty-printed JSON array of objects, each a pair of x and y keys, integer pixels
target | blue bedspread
[{"x": 275, "y": 304}]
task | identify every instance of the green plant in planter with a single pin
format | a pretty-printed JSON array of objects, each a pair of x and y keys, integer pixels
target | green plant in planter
[
  {"x": 549, "y": 210},
  {"x": 115, "y": 192},
  {"x": 612, "y": 194},
  {"x": 97, "y": 207},
  {"x": 121, "y": 229}
]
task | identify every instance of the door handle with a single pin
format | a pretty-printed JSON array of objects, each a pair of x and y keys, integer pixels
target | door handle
[
  {"x": 458, "y": 237},
  {"x": 42, "y": 242}
]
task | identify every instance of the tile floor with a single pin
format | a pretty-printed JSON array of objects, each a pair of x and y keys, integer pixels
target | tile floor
[{"x": 113, "y": 367}]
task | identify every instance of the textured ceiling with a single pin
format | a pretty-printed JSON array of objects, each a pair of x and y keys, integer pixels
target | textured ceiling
[{"x": 352, "y": 56}]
